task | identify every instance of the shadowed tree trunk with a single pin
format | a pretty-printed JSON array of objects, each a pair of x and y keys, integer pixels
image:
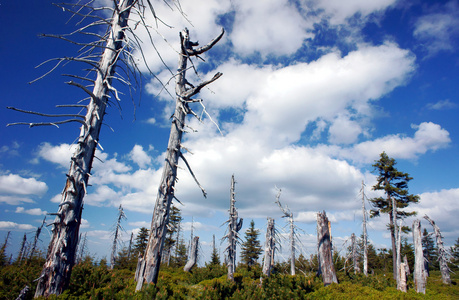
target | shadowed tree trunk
[
  {"x": 270, "y": 247},
  {"x": 149, "y": 266},
  {"x": 37, "y": 235},
  {"x": 326, "y": 266},
  {"x": 420, "y": 273},
  {"x": 193, "y": 257},
  {"x": 442, "y": 254}
]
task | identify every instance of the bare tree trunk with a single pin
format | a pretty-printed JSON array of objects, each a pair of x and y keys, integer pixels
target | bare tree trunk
[
  {"x": 355, "y": 261},
  {"x": 288, "y": 214},
  {"x": 420, "y": 273},
  {"x": 37, "y": 235},
  {"x": 393, "y": 236},
  {"x": 365, "y": 237},
  {"x": 234, "y": 225},
  {"x": 326, "y": 266},
  {"x": 193, "y": 255},
  {"x": 23, "y": 293},
  {"x": 398, "y": 255},
  {"x": 22, "y": 250},
  {"x": 130, "y": 245},
  {"x": 401, "y": 286},
  {"x": 166, "y": 188},
  {"x": 442, "y": 254},
  {"x": 61, "y": 251},
  {"x": 270, "y": 248},
  {"x": 118, "y": 227}
]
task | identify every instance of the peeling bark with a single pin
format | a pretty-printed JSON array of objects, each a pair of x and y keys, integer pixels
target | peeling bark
[
  {"x": 326, "y": 266},
  {"x": 442, "y": 254},
  {"x": 270, "y": 248},
  {"x": 420, "y": 273}
]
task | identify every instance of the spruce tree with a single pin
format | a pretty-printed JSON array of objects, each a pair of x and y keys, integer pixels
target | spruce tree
[
  {"x": 141, "y": 241},
  {"x": 430, "y": 251},
  {"x": 214, "y": 257},
  {"x": 175, "y": 218},
  {"x": 251, "y": 248},
  {"x": 395, "y": 186},
  {"x": 455, "y": 255}
]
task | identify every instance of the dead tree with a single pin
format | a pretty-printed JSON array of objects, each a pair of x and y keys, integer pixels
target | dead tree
[
  {"x": 270, "y": 247},
  {"x": 355, "y": 261},
  {"x": 288, "y": 214},
  {"x": 234, "y": 225},
  {"x": 111, "y": 46},
  {"x": 118, "y": 228},
  {"x": 442, "y": 253},
  {"x": 3, "y": 260},
  {"x": 81, "y": 247},
  {"x": 37, "y": 236},
  {"x": 326, "y": 266},
  {"x": 420, "y": 272},
  {"x": 401, "y": 285},
  {"x": 193, "y": 255},
  {"x": 130, "y": 246},
  {"x": 22, "y": 250},
  {"x": 166, "y": 191},
  {"x": 365, "y": 237},
  {"x": 399, "y": 255}
]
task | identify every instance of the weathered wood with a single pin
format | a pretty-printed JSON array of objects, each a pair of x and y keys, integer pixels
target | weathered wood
[
  {"x": 270, "y": 248},
  {"x": 118, "y": 227},
  {"x": 355, "y": 261},
  {"x": 402, "y": 277},
  {"x": 37, "y": 236},
  {"x": 166, "y": 190},
  {"x": 193, "y": 256},
  {"x": 288, "y": 214},
  {"x": 326, "y": 266},
  {"x": 420, "y": 273},
  {"x": 365, "y": 237},
  {"x": 442, "y": 253},
  {"x": 398, "y": 256}
]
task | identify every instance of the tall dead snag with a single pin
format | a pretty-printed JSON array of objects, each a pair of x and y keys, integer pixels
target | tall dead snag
[
  {"x": 234, "y": 225},
  {"x": 326, "y": 266},
  {"x": 442, "y": 254},
  {"x": 365, "y": 237},
  {"x": 270, "y": 247},
  {"x": 420, "y": 272},
  {"x": 184, "y": 91},
  {"x": 398, "y": 256},
  {"x": 288, "y": 214},
  {"x": 355, "y": 261},
  {"x": 22, "y": 250},
  {"x": 37, "y": 236},
  {"x": 193, "y": 255},
  {"x": 111, "y": 46},
  {"x": 116, "y": 233}
]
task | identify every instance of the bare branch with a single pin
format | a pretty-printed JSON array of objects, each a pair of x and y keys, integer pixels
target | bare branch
[
  {"x": 45, "y": 115},
  {"x": 193, "y": 91},
  {"x": 192, "y": 174}
]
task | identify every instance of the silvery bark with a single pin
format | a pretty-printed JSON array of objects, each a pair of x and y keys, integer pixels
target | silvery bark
[
  {"x": 148, "y": 268},
  {"x": 270, "y": 248},
  {"x": 401, "y": 286},
  {"x": 442, "y": 254},
  {"x": 326, "y": 266},
  {"x": 193, "y": 256},
  {"x": 118, "y": 227},
  {"x": 234, "y": 225},
  {"x": 355, "y": 261},
  {"x": 420, "y": 273},
  {"x": 365, "y": 237},
  {"x": 398, "y": 255}
]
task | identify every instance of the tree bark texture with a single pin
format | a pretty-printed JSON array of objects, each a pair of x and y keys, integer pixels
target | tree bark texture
[
  {"x": 149, "y": 267},
  {"x": 270, "y": 248},
  {"x": 420, "y": 273},
  {"x": 365, "y": 237},
  {"x": 326, "y": 266},
  {"x": 355, "y": 261},
  {"x": 442, "y": 254},
  {"x": 234, "y": 225},
  {"x": 193, "y": 257},
  {"x": 401, "y": 286},
  {"x": 61, "y": 251}
]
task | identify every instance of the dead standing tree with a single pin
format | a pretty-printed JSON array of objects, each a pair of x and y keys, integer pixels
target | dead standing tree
[
  {"x": 288, "y": 214},
  {"x": 365, "y": 237},
  {"x": 37, "y": 236},
  {"x": 193, "y": 255},
  {"x": 420, "y": 272},
  {"x": 102, "y": 56},
  {"x": 234, "y": 225},
  {"x": 442, "y": 254},
  {"x": 149, "y": 267},
  {"x": 326, "y": 266},
  {"x": 116, "y": 233},
  {"x": 355, "y": 262},
  {"x": 270, "y": 247}
]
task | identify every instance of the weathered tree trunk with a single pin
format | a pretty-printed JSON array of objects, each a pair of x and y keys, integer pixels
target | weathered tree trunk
[
  {"x": 288, "y": 214},
  {"x": 393, "y": 236},
  {"x": 355, "y": 261},
  {"x": 37, "y": 235},
  {"x": 130, "y": 246},
  {"x": 61, "y": 251},
  {"x": 365, "y": 237},
  {"x": 402, "y": 278},
  {"x": 153, "y": 252},
  {"x": 442, "y": 254},
  {"x": 326, "y": 266},
  {"x": 420, "y": 273},
  {"x": 118, "y": 227},
  {"x": 270, "y": 248},
  {"x": 23, "y": 293},
  {"x": 399, "y": 256},
  {"x": 234, "y": 225},
  {"x": 22, "y": 250},
  {"x": 193, "y": 256}
]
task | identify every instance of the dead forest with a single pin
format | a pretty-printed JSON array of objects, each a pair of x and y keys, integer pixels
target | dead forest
[{"x": 159, "y": 262}]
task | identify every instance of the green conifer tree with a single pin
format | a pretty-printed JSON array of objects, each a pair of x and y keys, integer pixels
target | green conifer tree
[
  {"x": 430, "y": 251},
  {"x": 395, "y": 186},
  {"x": 141, "y": 241},
  {"x": 455, "y": 255},
  {"x": 251, "y": 248}
]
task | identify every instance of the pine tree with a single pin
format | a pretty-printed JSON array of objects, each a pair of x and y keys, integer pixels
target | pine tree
[
  {"x": 172, "y": 227},
  {"x": 214, "y": 257},
  {"x": 251, "y": 248},
  {"x": 430, "y": 252},
  {"x": 455, "y": 255},
  {"x": 141, "y": 241},
  {"x": 395, "y": 186}
]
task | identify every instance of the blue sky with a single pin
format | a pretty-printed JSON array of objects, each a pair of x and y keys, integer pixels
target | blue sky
[{"x": 312, "y": 92}]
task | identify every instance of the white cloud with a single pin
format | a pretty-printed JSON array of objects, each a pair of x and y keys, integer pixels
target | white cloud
[
  {"x": 102, "y": 196},
  {"x": 6, "y": 225},
  {"x": 32, "y": 211},
  {"x": 139, "y": 156},
  {"x": 17, "y": 185},
  {"x": 442, "y": 105},
  {"x": 344, "y": 131},
  {"x": 14, "y": 200},
  {"x": 57, "y": 154}
]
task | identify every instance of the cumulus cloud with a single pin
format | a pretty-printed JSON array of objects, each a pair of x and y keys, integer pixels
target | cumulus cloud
[
  {"x": 57, "y": 154},
  {"x": 442, "y": 105},
  {"x": 6, "y": 225},
  {"x": 139, "y": 156},
  {"x": 17, "y": 185},
  {"x": 32, "y": 211}
]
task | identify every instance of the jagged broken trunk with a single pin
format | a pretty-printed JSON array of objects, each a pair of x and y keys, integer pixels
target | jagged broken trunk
[
  {"x": 326, "y": 266},
  {"x": 420, "y": 272},
  {"x": 442, "y": 254},
  {"x": 148, "y": 266},
  {"x": 61, "y": 251},
  {"x": 270, "y": 248},
  {"x": 234, "y": 225},
  {"x": 193, "y": 255}
]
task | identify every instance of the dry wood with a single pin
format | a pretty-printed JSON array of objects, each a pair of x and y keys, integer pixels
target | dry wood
[
  {"x": 420, "y": 272},
  {"x": 270, "y": 248},
  {"x": 193, "y": 257},
  {"x": 326, "y": 266},
  {"x": 355, "y": 261},
  {"x": 365, "y": 237},
  {"x": 442, "y": 254},
  {"x": 288, "y": 214},
  {"x": 149, "y": 269}
]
